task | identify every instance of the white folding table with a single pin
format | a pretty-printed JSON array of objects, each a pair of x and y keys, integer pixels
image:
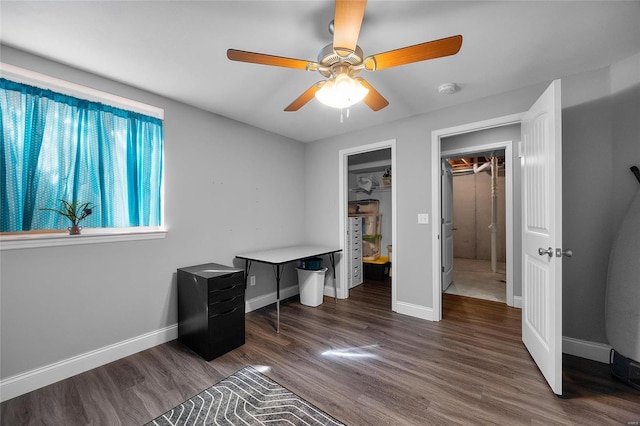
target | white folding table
[{"x": 278, "y": 257}]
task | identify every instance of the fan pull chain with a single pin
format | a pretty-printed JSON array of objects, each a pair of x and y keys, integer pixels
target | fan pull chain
[{"x": 342, "y": 115}]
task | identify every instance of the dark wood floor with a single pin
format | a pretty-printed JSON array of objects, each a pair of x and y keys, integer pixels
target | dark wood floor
[{"x": 359, "y": 362}]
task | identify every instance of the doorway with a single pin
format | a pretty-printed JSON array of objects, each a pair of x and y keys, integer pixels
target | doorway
[
  {"x": 540, "y": 192},
  {"x": 478, "y": 225},
  {"x": 362, "y": 171},
  {"x": 467, "y": 144}
]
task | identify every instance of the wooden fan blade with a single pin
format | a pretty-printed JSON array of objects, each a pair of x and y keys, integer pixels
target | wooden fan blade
[
  {"x": 419, "y": 52},
  {"x": 346, "y": 25},
  {"x": 263, "y": 59},
  {"x": 374, "y": 99},
  {"x": 304, "y": 98}
]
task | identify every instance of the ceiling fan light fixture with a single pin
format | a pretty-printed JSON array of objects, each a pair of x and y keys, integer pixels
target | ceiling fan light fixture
[{"x": 341, "y": 91}]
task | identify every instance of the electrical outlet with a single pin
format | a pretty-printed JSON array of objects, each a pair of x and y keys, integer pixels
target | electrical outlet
[{"x": 252, "y": 280}]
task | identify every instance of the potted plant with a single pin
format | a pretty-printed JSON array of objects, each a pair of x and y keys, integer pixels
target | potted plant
[
  {"x": 386, "y": 178},
  {"x": 75, "y": 212}
]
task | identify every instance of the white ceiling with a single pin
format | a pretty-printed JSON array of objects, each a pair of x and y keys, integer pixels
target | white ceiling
[{"x": 178, "y": 49}]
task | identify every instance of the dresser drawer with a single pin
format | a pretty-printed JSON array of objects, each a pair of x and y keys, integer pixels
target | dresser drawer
[
  {"x": 223, "y": 282},
  {"x": 357, "y": 270},
  {"x": 226, "y": 332},
  {"x": 225, "y": 306},
  {"x": 225, "y": 293},
  {"x": 226, "y": 325}
]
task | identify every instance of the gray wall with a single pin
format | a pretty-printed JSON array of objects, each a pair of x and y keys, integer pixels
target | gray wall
[
  {"x": 231, "y": 188},
  {"x": 600, "y": 120},
  {"x": 228, "y": 188},
  {"x": 601, "y": 141},
  {"x": 411, "y": 180}
]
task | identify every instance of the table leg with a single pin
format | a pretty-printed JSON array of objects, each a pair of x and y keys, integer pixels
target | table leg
[
  {"x": 333, "y": 269},
  {"x": 278, "y": 273},
  {"x": 247, "y": 267}
]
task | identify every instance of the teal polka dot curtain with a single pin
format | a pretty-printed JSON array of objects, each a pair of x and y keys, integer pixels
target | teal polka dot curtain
[{"x": 58, "y": 147}]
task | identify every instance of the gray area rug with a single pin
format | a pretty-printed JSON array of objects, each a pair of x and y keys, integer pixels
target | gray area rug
[{"x": 247, "y": 397}]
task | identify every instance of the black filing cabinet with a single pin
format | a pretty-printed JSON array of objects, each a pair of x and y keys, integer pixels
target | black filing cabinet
[{"x": 211, "y": 308}]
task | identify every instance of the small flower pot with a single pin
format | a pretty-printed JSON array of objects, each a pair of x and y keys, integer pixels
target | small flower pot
[{"x": 74, "y": 230}]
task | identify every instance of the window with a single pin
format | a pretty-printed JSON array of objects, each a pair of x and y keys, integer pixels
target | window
[{"x": 57, "y": 146}]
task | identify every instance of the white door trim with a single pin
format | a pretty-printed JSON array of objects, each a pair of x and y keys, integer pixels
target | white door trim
[
  {"x": 343, "y": 200},
  {"x": 436, "y": 136},
  {"x": 446, "y": 226},
  {"x": 508, "y": 192}
]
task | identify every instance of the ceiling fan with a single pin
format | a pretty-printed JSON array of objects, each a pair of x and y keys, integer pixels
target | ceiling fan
[{"x": 342, "y": 60}]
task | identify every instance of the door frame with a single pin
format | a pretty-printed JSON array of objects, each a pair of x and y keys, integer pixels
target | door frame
[
  {"x": 343, "y": 202},
  {"x": 446, "y": 225},
  {"x": 436, "y": 195},
  {"x": 507, "y": 146}
]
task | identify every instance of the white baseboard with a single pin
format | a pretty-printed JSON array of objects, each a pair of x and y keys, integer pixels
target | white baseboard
[
  {"x": 31, "y": 380},
  {"x": 416, "y": 311},
  {"x": 49, "y": 374},
  {"x": 269, "y": 298},
  {"x": 43, "y": 376},
  {"x": 585, "y": 349},
  {"x": 330, "y": 291},
  {"x": 517, "y": 302}
]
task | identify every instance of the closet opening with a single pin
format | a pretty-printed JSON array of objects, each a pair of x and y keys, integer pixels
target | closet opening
[{"x": 368, "y": 218}]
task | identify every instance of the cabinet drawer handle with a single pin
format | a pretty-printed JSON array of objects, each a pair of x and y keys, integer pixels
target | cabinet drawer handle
[
  {"x": 227, "y": 300},
  {"x": 227, "y": 288},
  {"x": 230, "y": 311},
  {"x": 224, "y": 276}
]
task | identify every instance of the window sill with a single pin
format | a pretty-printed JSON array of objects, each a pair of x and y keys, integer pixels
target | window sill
[{"x": 88, "y": 236}]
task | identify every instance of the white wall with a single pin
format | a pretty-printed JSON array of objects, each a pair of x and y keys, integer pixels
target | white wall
[{"x": 229, "y": 188}]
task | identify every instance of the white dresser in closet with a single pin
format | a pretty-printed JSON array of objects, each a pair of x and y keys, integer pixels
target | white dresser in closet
[{"x": 354, "y": 251}]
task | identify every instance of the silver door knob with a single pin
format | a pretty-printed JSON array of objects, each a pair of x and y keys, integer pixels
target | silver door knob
[
  {"x": 548, "y": 251},
  {"x": 565, "y": 252}
]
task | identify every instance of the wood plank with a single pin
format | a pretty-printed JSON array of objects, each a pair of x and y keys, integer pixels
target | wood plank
[{"x": 361, "y": 363}]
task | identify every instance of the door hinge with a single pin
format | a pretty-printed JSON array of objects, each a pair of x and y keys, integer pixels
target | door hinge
[
  {"x": 520, "y": 149},
  {"x": 443, "y": 269}
]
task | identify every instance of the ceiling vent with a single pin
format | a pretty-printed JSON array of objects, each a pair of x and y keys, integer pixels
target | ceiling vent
[{"x": 447, "y": 88}]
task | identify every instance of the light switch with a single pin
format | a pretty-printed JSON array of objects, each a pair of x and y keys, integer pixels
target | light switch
[{"x": 423, "y": 218}]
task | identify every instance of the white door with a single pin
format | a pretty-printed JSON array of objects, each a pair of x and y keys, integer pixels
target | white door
[
  {"x": 542, "y": 234},
  {"x": 447, "y": 224}
]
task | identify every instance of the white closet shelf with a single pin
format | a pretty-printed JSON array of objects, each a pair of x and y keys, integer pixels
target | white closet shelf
[{"x": 377, "y": 189}]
